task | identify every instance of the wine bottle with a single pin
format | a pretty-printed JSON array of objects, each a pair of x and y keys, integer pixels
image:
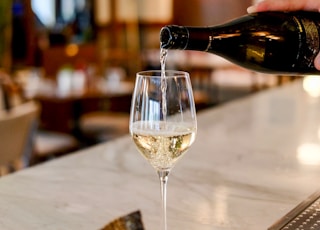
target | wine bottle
[{"x": 269, "y": 42}]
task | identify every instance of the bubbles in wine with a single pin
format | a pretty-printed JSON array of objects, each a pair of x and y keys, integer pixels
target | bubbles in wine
[{"x": 165, "y": 146}]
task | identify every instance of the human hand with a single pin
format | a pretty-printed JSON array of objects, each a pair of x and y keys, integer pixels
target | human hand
[
  {"x": 285, "y": 5},
  {"x": 288, "y": 5}
]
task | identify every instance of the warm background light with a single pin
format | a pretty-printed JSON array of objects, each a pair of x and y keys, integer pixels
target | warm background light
[
  {"x": 309, "y": 154},
  {"x": 311, "y": 84},
  {"x": 72, "y": 50}
]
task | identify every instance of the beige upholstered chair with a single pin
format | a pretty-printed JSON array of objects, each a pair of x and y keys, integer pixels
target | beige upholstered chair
[
  {"x": 102, "y": 126},
  {"x": 106, "y": 123},
  {"x": 48, "y": 145},
  {"x": 16, "y": 128}
]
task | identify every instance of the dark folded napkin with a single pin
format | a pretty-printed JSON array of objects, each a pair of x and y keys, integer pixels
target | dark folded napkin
[{"x": 132, "y": 221}]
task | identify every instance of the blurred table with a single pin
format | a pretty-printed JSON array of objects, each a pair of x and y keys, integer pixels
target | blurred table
[
  {"x": 254, "y": 159},
  {"x": 62, "y": 108}
]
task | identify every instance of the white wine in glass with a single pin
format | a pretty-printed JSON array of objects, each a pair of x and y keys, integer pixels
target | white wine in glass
[{"x": 163, "y": 121}]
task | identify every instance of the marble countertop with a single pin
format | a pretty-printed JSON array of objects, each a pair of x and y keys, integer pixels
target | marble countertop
[{"x": 254, "y": 159}]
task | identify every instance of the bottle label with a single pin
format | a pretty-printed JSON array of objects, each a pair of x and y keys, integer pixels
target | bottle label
[{"x": 312, "y": 48}]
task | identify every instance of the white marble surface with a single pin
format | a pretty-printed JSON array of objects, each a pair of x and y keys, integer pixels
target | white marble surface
[{"x": 244, "y": 171}]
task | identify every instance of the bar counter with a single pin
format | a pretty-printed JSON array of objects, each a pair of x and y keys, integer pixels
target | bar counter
[{"x": 254, "y": 160}]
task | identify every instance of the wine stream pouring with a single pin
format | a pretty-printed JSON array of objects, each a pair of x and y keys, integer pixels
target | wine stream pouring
[{"x": 269, "y": 42}]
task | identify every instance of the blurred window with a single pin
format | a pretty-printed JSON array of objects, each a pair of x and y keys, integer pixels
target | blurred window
[
  {"x": 45, "y": 11},
  {"x": 68, "y": 10}
]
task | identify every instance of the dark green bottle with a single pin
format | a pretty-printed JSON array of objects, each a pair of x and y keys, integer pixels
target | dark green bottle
[{"x": 269, "y": 42}]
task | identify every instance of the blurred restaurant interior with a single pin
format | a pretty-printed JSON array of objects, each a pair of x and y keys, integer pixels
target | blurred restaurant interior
[{"x": 73, "y": 63}]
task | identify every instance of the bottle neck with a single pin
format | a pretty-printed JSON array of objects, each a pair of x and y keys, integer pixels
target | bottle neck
[
  {"x": 174, "y": 37},
  {"x": 185, "y": 38},
  {"x": 199, "y": 38}
]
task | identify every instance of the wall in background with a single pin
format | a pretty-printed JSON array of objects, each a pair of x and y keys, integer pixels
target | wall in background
[{"x": 208, "y": 12}]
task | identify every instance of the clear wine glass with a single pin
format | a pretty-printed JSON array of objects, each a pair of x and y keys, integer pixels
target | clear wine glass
[{"x": 163, "y": 121}]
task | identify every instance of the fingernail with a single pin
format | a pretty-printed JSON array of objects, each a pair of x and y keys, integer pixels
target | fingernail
[{"x": 251, "y": 9}]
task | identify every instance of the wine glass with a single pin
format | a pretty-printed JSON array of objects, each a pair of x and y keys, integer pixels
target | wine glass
[{"x": 163, "y": 121}]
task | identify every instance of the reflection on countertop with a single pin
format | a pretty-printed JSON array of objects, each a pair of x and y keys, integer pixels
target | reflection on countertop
[{"x": 247, "y": 168}]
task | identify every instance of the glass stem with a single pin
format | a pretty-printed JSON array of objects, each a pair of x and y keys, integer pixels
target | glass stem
[{"x": 163, "y": 176}]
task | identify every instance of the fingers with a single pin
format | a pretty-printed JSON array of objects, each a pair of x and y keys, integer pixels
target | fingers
[
  {"x": 277, "y": 5},
  {"x": 317, "y": 62},
  {"x": 285, "y": 5}
]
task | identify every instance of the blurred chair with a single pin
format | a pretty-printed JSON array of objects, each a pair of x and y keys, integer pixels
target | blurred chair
[
  {"x": 108, "y": 121},
  {"x": 33, "y": 145},
  {"x": 16, "y": 130},
  {"x": 48, "y": 145},
  {"x": 102, "y": 126}
]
